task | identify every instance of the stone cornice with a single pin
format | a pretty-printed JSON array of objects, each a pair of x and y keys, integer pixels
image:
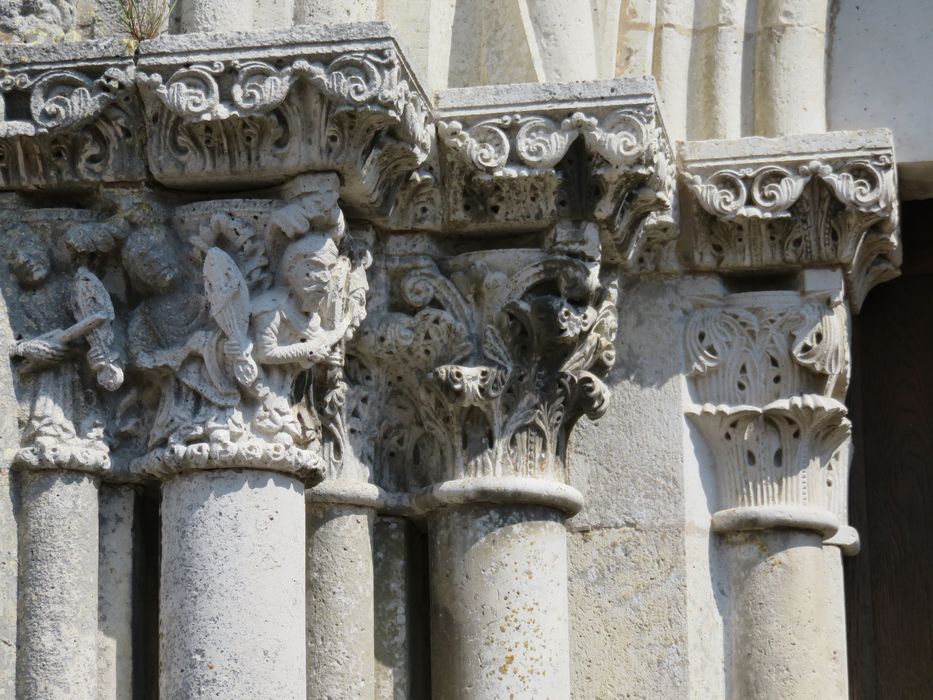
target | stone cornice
[
  {"x": 68, "y": 116},
  {"x": 237, "y": 110},
  {"x": 771, "y": 205},
  {"x": 593, "y": 151},
  {"x": 251, "y": 110}
]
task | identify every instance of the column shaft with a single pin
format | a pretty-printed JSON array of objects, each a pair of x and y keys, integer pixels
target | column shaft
[
  {"x": 335, "y": 11},
  {"x": 216, "y": 15},
  {"x": 834, "y": 596},
  {"x": 778, "y": 615},
  {"x": 57, "y": 626},
  {"x": 115, "y": 594},
  {"x": 233, "y": 588},
  {"x": 790, "y": 67},
  {"x": 340, "y": 608},
  {"x": 499, "y": 619}
]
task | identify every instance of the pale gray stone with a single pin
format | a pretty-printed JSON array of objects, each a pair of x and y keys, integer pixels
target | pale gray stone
[
  {"x": 57, "y": 624},
  {"x": 499, "y": 603},
  {"x": 340, "y": 605},
  {"x": 305, "y": 291},
  {"x": 232, "y": 595},
  {"x": 115, "y": 594}
]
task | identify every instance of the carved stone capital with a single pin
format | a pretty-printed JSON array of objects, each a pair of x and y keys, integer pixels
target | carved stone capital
[
  {"x": 229, "y": 319},
  {"x": 65, "y": 356},
  {"x": 784, "y": 204},
  {"x": 768, "y": 373},
  {"x": 485, "y": 360},
  {"x": 592, "y": 151},
  {"x": 68, "y": 115},
  {"x": 257, "y": 379}
]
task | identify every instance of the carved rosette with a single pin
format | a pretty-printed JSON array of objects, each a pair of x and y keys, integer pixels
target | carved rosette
[
  {"x": 768, "y": 373},
  {"x": 486, "y": 360},
  {"x": 271, "y": 111},
  {"x": 766, "y": 210},
  {"x": 67, "y": 122},
  {"x": 525, "y": 165}
]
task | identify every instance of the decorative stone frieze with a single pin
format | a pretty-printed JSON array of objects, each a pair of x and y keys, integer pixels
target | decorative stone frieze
[
  {"x": 68, "y": 115},
  {"x": 247, "y": 110},
  {"x": 594, "y": 151},
  {"x": 795, "y": 202}
]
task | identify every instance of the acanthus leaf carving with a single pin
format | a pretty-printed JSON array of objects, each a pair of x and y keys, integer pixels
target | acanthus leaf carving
[
  {"x": 64, "y": 126},
  {"x": 768, "y": 373},
  {"x": 498, "y": 356}
]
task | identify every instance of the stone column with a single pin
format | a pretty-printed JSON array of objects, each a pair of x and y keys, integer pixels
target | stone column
[
  {"x": 769, "y": 369},
  {"x": 402, "y": 642},
  {"x": 232, "y": 594},
  {"x": 498, "y": 563},
  {"x": 499, "y": 356},
  {"x": 812, "y": 222},
  {"x": 57, "y": 625},
  {"x": 115, "y": 593},
  {"x": 216, "y": 15},
  {"x": 318, "y": 12},
  {"x": 340, "y": 603},
  {"x": 790, "y": 67}
]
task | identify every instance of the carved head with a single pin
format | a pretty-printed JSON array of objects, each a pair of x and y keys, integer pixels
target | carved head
[
  {"x": 27, "y": 256},
  {"x": 150, "y": 258},
  {"x": 308, "y": 267}
]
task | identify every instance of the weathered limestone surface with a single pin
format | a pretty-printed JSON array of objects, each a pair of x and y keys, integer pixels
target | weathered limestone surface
[
  {"x": 116, "y": 507},
  {"x": 340, "y": 602},
  {"x": 58, "y": 544},
  {"x": 402, "y": 643},
  {"x": 643, "y": 619},
  {"x": 233, "y": 581},
  {"x": 271, "y": 274},
  {"x": 499, "y": 599}
]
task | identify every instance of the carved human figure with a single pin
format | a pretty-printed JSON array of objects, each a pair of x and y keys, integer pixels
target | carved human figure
[
  {"x": 171, "y": 334},
  {"x": 295, "y": 325},
  {"x": 50, "y": 380},
  {"x": 316, "y": 303}
]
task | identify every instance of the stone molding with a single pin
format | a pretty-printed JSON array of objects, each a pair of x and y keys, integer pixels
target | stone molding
[
  {"x": 595, "y": 151},
  {"x": 499, "y": 490},
  {"x": 792, "y": 203},
  {"x": 266, "y": 107},
  {"x": 68, "y": 116}
]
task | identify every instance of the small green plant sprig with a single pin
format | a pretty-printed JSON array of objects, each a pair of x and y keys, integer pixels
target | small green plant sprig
[{"x": 144, "y": 19}]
